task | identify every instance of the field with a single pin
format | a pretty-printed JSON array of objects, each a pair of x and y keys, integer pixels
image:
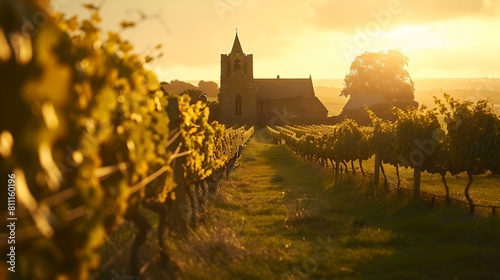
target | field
[
  {"x": 328, "y": 91},
  {"x": 276, "y": 216},
  {"x": 112, "y": 174}
]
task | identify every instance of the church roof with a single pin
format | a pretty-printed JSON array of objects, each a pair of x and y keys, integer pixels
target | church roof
[
  {"x": 316, "y": 104},
  {"x": 236, "y": 45},
  {"x": 284, "y": 88},
  {"x": 297, "y": 105}
]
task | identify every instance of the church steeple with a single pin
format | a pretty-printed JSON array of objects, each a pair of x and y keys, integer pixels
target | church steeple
[
  {"x": 235, "y": 61},
  {"x": 236, "y": 45}
]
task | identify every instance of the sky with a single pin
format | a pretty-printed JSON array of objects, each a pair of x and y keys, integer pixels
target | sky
[{"x": 321, "y": 38}]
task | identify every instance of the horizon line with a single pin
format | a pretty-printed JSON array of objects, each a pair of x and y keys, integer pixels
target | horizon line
[{"x": 336, "y": 78}]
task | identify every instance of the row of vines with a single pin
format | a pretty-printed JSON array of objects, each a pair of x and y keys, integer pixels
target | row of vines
[
  {"x": 454, "y": 137},
  {"x": 89, "y": 138}
]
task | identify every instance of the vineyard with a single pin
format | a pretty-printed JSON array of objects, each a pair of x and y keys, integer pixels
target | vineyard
[
  {"x": 88, "y": 139},
  {"x": 91, "y": 146},
  {"x": 467, "y": 141}
]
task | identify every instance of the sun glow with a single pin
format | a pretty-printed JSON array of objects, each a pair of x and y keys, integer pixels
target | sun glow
[{"x": 411, "y": 37}]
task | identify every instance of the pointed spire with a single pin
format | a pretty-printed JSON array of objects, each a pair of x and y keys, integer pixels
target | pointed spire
[{"x": 236, "y": 44}]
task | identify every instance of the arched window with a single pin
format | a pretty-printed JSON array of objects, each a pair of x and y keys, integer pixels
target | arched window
[
  {"x": 237, "y": 65},
  {"x": 238, "y": 105}
]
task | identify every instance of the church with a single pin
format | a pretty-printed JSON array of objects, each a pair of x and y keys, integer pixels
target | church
[{"x": 245, "y": 100}]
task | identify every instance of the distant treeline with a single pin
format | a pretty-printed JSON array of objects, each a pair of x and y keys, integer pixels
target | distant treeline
[{"x": 211, "y": 89}]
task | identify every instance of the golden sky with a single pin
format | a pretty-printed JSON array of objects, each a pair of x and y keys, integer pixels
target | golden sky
[{"x": 442, "y": 38}]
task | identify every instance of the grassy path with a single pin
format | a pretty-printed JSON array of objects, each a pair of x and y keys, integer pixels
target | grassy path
[{"x": 277, "y": 217}]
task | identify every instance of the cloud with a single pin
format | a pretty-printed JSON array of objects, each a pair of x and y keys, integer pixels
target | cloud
[{"x": 344, "y": 15}]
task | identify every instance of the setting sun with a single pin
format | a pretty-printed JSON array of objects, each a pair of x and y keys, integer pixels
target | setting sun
[{"x": 411, "y": 37}]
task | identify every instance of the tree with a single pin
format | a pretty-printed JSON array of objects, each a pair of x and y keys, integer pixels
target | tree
[
  {"x": 196, "y": 95},
  {"x": 380, "y": 73},
  {"x": 177, "y": 87},
  {"x": 208, "y": 87}
]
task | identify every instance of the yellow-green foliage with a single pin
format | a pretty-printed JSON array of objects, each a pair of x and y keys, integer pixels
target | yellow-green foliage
[{"x": 86, "y": 133}]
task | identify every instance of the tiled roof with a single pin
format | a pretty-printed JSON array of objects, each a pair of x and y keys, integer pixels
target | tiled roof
[
  {"x": 284, "y": 88},
  {"x": 296, "y": 105}
]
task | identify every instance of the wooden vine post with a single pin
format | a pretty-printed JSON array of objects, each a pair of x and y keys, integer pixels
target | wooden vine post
[
  {"x": 376, "y": 172},
  {"x": 416, "y": 182},
  {"x": 337, "y": 172}
]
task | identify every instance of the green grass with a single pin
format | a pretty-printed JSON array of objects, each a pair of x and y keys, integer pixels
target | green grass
[
  {"x": 277, "y": 216},
  {"x": 485, "y": 189}
]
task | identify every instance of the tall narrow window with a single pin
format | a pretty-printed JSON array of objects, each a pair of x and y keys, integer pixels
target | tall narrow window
[{"x": 238, "y": 105}]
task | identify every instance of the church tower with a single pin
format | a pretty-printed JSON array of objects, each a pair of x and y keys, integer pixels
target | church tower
[
  {"x": 237, "y": 96},
  {"x": 236, "y": 60}
]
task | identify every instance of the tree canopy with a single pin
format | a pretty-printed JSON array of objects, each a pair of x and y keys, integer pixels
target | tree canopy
[
  {"x": 380, "y": 73},
  {"x": 209, "y": 87},
  {"x": 177, "y": 87}
]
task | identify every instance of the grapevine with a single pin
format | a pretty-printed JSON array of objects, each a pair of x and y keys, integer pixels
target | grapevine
[
  {"x": 85, "y": 130},
  {"x": 467, "y": 141}
]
